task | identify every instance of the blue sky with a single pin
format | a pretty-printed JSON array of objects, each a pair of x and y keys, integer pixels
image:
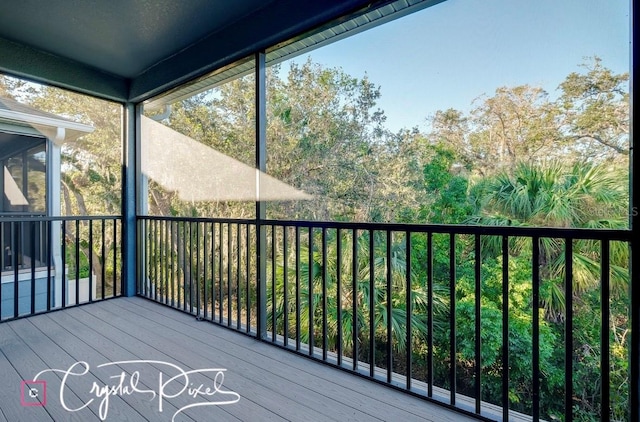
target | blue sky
[{"x": 449, "y": 54}]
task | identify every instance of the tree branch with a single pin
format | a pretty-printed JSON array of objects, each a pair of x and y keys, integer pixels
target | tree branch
[{"x": 620, "y": 150}]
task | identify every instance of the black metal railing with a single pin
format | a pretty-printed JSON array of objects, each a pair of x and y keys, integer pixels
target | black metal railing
[
  {"x": 200, "y": 266},
  {"x": 497, "y": 322},
  {"x": 55, "y": 262}
]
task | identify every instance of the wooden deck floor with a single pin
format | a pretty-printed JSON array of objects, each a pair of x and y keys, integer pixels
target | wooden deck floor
[{"x": 153, "y": 343}]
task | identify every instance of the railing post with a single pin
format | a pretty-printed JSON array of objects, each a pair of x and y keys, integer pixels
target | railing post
[
  {"x": 130, "y": 141},
  {"x": 261, "y": 166}
]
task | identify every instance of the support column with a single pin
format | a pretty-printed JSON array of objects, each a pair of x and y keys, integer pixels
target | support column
[
  {"x": 54, "y": 170},
  {"x": 129, "y": 170},
  {"x": 142, "y": 200},
  {"x": 634, "y": 364},
  {"x": 261, "y": 166}
]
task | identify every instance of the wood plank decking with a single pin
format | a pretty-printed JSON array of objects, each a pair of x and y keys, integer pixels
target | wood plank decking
[{"x": 146, "y": 338}]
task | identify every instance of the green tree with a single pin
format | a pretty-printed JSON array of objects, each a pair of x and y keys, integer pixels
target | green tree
[
  {"x": 446, "y": 185},
  {"x": 583, "y": 195},
  {"x": 322, "y": 133},
  {"x": 595, "y": 111},
  {"x": 344, "y": 299},
  {"x": 589, "y": 121},
  {"x": 554, "y": 195},
  {"x": 324, "y": 136}
]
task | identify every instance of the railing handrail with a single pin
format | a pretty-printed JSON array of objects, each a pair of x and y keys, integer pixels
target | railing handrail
[
  {"x": 32, "y": 218},
  {"x": 470, "y": 229}
]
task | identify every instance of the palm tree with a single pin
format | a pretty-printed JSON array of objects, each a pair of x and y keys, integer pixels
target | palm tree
[
  {"x": 344, "y": 299},
  {"x": 584, "y": 195}
]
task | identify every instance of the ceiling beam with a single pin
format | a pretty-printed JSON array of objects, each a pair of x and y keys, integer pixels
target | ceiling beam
[{"x": 37, "y": 66}]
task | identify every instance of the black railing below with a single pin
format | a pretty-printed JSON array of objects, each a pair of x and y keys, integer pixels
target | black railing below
[
  {"x": 55, "y": 262},
  {"x": 491, "y": 321}
]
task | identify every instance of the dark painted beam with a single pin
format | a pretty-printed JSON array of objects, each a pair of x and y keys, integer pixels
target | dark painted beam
[
  {"x": 130, "y": 160},
  {"x": 275, "y": 23},
  {"x": 261, "y": 206},
  {"x": 37, "y": 66},
  {"x": 634, "y": 393}
]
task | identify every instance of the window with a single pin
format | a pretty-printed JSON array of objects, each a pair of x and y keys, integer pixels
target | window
[{"x": 24, "y": 174}]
